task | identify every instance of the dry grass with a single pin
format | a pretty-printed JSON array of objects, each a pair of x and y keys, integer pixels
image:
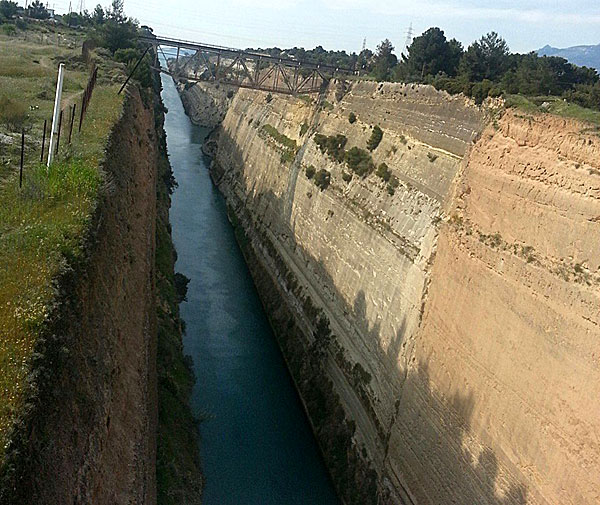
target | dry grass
[{"x": 42, "y": 225}]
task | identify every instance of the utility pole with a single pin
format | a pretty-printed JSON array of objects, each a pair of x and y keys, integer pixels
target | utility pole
[
  {"x": 408, "y": 42},
  {"x": 56, "y": 113}
]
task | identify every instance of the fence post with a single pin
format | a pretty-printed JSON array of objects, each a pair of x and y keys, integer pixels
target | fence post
[
  {"x": 59, "y": 126},
  {"x": 72, "y": 120},
  {"x": 55, "y": 115},
  {"x": 43, "y": 142},
  {"x": 82, "y": 110},
  {"x": 22, "y": 157}
]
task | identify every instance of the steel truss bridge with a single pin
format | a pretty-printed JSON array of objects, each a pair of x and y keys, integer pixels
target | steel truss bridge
[{"x": 244, "y": 69}]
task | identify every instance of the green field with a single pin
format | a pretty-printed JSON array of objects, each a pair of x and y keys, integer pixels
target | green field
[{"x": 42, "y": 225}]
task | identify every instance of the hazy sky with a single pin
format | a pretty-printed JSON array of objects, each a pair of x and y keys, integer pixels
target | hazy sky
[{"x": 342, "y": 24}]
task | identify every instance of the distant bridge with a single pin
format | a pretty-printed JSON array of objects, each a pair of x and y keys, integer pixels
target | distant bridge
[{"x": 244, "y": 69}]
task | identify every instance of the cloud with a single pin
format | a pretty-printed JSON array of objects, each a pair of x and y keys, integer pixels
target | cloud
[{"x": 463, "y": 11}]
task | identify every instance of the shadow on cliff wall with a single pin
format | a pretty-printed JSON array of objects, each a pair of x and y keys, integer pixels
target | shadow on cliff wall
[{"x": 427, "y": 432}]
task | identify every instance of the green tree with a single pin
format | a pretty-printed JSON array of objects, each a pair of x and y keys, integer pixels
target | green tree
[
  {"x": 38, "y": 11},
  {"x": 116, "y": 11},
  {"x": 375, "y": 138},
  {"x": 8, "y": 9},
  {"x": 431, "y": 54},
  {"x": 486, "y": 58},
  {"x": 118, "y": 31},
  {"x": 385, "y": 60},
  {"x": 98, "y": 16}
]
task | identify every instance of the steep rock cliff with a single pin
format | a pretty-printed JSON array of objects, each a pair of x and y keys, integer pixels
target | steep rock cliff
[
  {"x": 88, "y": 437},
  {"x": 443, "y": 335}
]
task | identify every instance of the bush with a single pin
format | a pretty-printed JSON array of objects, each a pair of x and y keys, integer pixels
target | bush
[
  {"x": 346, "y": 176},
  {"x": 230, "y": 94},
  {"x": 432, "y": 157},
  {"x": 303, "y": 129},
  {"x": 269, "y": 97},
  {"x": 375, "y": 139},
  {"x": 327, "y": 105},
  {"x": 352, "y": 118},
  {"x": 332, "y": 145},
  {"x": 127, "y": 55},
  {"x": 310, "y": 172},
  {"x": 12, "y": 113},
  {"x": 359, "y": 161},
  {"x": 9, "y": 30},
  {"x": 322, "y": 179},
  {"x": 383, "y": 172}
]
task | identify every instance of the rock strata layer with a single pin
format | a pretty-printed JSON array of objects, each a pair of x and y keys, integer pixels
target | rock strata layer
[{"x": 442, "y": 326}]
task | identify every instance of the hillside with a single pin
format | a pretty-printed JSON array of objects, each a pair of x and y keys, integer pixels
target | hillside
[{"x": 584, "y": 56}]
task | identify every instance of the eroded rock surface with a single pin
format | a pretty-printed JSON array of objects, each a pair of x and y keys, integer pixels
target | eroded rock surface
[{"x": 444, "y": 338}]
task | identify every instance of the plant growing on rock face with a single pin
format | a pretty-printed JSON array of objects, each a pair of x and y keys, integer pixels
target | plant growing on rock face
[
  {"x": 332, "y": 145},
  {"x": 269, "y": 97},
  {"x": 303, "y": 129},
  {"x": 352, "y": 118},
  {"x": 322, "y": 179},
  {"x": 383, "y": 172},
  {"x": 432, "y": 157},
  {"x": 392, "y": 185},
  {"x": 375, "y": 139},
  {"x": 359, "y": 161},
  {"x": 346, "y": 176},
  {"x": 310, "y": 172}
]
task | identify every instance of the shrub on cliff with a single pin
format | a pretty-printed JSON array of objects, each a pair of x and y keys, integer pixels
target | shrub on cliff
[
  {"x": 359, "y": 161},
  {"x": 332, "y": 145},
  {"x": 352, "y": 118},
  {"x": 310, "y": 172},
  {"x": 322, "y": 179},
  {"x": 375, "y": 138},
  {"x": 383, "y": 172}
]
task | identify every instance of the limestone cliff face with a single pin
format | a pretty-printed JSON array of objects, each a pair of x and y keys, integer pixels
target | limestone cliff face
[
  {"x": 205, "y": 103},
  {"x": 444, "y": 338}
]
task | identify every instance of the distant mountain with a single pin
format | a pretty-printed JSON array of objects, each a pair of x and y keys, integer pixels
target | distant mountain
[{"x": 585, "y": 56}]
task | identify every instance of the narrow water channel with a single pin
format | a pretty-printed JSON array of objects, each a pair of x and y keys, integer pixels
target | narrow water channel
[{"x": 256, "y": 444}]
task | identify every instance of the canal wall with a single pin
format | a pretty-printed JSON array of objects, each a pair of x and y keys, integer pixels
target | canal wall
[
  {"x": 88, "y": 433},
  {"x": 109, "y": 376},
  {"x": 440, "y": 319}
]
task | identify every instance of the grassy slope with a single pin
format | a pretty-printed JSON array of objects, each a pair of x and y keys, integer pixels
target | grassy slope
[
  {"x": 555, "y": 105},
  {"x": 42, "y": 226}
]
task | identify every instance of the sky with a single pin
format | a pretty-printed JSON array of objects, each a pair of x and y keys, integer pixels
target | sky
[{"x": 343, "y": 24}]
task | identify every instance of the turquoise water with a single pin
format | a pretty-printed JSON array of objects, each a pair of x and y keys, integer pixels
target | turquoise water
[{"x": 256, "y": 444}]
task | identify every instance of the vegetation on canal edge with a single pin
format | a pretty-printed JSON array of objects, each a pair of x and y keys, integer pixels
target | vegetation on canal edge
[{"x": 42, "y": 227}]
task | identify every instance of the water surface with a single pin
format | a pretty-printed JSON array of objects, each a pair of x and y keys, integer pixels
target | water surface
[{"x": 256, "y": 444}]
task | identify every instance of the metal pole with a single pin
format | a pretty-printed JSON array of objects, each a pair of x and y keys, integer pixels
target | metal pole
[
  {"x": 22, "y": 157},
  {"x": 56, "y": 113},
  {"x": 82, "y": 110},
  {"x": 133, "y": 71},
  {"x": 43, "y": 141},
  {"x": 72, "y": 121},
  {"x": 58, "y": 136}
]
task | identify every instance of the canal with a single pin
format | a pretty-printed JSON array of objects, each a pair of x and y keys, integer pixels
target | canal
[{"x": 256, "y": 444}]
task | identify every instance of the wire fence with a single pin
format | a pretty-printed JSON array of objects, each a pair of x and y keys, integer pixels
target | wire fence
[{"x": 66, "y": 122}]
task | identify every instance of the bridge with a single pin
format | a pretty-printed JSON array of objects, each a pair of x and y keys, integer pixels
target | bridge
[{"x": 240, "y": 68}]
